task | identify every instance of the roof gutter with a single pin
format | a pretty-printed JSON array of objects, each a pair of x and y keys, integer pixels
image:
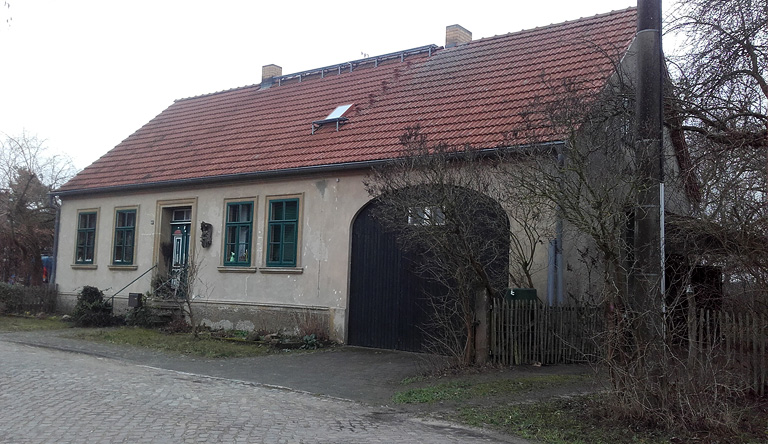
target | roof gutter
[{"x": 327, "y": 168}]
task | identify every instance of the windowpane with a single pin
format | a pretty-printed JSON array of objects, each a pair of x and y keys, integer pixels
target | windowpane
[
  {"x": 182, "y": 215},
  {"x": 277, "y": 210},
  {"x": 233, "y": 214},
  {"x": 289, "y": 234},
  {"x": 426, "y": 216},
  {"x": 291, "y": 210},
  {"x": 274, "y": 252},
  {"x": 275, "y": 234},
  {"x": 289, "y": 252},
  {"x": 245, "y": 212},
  {"x": 231, "y": 232},
  {"x": 243, "y": 237}
]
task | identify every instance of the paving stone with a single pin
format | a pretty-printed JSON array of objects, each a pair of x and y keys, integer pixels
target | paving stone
[{"x": 52, "y": 396}]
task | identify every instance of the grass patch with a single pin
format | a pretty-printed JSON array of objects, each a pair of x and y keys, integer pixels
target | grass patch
[
  {"x": 556, "y": 422},
  {"x": 413, "y": 379},
  {"x": 587, "y": 420},
  {"x": 181, "y": 343},
  {"x": 22, "y": 323},
  {"x": 464, "y": 390}
]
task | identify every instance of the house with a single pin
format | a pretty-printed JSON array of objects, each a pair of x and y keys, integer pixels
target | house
[{"x": 262, "y": 185}]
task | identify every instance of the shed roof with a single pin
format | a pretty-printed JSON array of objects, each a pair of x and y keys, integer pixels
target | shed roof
[{"x": 476, "y": 93}]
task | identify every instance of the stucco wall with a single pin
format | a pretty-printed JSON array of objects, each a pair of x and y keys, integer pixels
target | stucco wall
[
  {"x": 255, "y": 297},
  {"x": 328, "y": 206}
]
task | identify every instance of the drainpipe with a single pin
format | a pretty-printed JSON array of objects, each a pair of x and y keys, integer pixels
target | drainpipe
[
  {"x": 55, "y": 253},
  {"x": 551, "y": 272}
]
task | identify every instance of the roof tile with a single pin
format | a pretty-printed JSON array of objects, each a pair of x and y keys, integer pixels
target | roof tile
[{"x": 478, "y": 93}]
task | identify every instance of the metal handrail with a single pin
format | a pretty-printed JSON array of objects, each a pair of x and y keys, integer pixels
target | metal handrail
[{"x": 129, "y": 284}]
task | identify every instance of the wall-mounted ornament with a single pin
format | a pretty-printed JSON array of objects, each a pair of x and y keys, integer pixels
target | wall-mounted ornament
[{"x": 206, "y": 232}]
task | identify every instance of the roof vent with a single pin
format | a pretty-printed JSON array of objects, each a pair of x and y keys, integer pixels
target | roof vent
[
  {"x": 334, "y": 117},
  {"x": 456, "y": 35}
]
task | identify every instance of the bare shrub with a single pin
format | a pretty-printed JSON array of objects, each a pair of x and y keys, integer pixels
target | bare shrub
[{"x": 181, "y": 290}]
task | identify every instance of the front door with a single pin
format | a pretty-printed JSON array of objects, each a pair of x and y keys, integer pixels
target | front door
[{"x": 180, "y": 227}]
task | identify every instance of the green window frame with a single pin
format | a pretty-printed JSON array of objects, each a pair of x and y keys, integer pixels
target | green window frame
[
  {"x": 239, "y": 232},
  {"x": 283, "y": 232},
  {"x": 125, "y": 236},
  {"x": 86, "y": 237}
]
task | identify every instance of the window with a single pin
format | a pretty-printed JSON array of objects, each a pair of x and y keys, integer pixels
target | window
[
  {"x": 239, "y": 226},
  {"x": 86, "y": 238},
  {"x": 125, "y": 230},
  {"x": 182, "y": 215},
  {"x": 426, "y": 216},
  {"x": 283, "y": 232}
]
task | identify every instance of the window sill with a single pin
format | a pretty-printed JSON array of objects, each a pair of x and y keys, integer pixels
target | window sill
[
  {"x": 237, "y": 269},
  {"x": 282, "y": 270},
  {"x": 123, "y": 267},
  {"x": 84, "y": 266}
]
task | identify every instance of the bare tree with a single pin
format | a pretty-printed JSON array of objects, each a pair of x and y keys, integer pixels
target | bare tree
[
  {"x": 27, "y": 213},
  {"x": 720, "y": 78},
  {"x": 721, "y": 70},
  {"x": 451, "y": 206},
  {"x": 6, "y": 13}
]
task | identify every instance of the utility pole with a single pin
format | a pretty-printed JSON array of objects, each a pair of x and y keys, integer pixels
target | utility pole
[{"x": 646, "y": 296}]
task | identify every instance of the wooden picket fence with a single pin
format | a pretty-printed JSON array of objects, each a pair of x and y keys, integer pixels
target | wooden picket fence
[
  {"x": 18, "y": 299},
  {"x": 528, "y": 332},
  {"x": 738, "y": 342}
]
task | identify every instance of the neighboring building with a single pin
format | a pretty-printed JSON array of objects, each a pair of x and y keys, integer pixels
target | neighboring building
[{"x": 263, "y": 185}]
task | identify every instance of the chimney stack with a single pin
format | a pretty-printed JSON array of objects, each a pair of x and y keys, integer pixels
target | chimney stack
[
  {"x": 269, "y": 71},
  {"x": 456, "y": 35}
]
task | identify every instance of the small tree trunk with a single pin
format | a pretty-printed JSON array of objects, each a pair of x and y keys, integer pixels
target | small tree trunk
[
  {"x": 692, "y": 327},
  {"x": 481, "y": 327},
  {"x": 469, "y": 346}
]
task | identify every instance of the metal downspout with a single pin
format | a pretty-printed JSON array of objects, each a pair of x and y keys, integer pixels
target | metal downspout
[{"x": 55, "y": 253}]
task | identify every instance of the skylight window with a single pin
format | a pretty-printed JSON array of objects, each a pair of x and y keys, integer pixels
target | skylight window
[
  {"x": 338, "y": 112},
  {"x": 334, "y": 117}
]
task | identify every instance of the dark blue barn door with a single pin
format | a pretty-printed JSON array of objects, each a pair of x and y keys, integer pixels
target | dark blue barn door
[
  {"x": 388, "y": 304},
  {"x": 387, "y": 308}
]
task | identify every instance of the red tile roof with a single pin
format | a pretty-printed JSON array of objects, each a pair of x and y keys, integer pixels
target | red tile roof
[{"x": 477, "y": 93}]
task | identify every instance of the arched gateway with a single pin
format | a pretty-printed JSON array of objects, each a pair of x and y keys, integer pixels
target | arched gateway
[{"x": 387, "y": 304}]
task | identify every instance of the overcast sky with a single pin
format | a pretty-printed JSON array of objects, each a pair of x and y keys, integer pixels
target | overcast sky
[{"x": 84, "y": 75}]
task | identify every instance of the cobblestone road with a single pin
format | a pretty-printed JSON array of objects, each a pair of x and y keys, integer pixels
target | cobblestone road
[{"x": 49, "y": 396}]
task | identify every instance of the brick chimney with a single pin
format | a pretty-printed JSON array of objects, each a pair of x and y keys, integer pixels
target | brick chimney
[
  {"x": 456, "y": 35},
  {"x": 269, "y": 71}
]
